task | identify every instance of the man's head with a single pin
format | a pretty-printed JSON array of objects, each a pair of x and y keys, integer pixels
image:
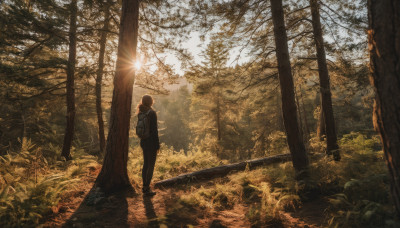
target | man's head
[{"x": 147, "y": 100}]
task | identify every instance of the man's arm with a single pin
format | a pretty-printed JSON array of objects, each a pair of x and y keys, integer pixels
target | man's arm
[{"x": 154, "y": 128}]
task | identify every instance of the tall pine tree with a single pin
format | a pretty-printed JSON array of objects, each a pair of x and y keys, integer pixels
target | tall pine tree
[
  {"x": 114, "y": 174},
  {"x": 296, "y": 145},
  {"x": 384, "y": 47},
  {"x": 325, "y": 90},
  {"x": 70, "y": 128}
]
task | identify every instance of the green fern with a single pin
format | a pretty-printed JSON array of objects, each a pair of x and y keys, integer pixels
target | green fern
[{"x": 30, "y": 186}]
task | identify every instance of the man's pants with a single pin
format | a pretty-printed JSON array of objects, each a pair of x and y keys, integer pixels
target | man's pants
[{"x": 149, "y": 157}]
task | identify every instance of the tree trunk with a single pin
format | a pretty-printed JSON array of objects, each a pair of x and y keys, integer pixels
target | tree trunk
[
  {"x": 321, "y": 125},
  {"x": 223, "y": 170},
  {"x": 300, "y": 117},
  {"x": 306, "y": 128},
  {"x": 280, "y": 126},
  {"x": 69, "y": 131},
  {"x": 113, "y": 175},
  {"x": 219, "y": 135},
  {"x": 23, "y": 127},
  {"x": 384, "y": 47},
  {"x": 99, "y": 78},
  {"x": 296, "y": 145},
  {"x": 326, "y": 97}
]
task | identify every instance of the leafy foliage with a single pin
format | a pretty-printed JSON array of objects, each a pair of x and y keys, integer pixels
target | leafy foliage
[{"x": 31, "y": 186}]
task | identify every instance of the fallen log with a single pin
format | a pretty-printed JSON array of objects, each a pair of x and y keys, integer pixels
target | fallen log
[{"x": 223, "y": 170}]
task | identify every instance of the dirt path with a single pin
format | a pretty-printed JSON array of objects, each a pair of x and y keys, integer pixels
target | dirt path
[
  {"x": 128, "y": 209},
  {"x": 310, "y": 214}
]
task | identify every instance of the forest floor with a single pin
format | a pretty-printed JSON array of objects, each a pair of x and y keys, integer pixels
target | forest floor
[{"x": 130, "y": 209}]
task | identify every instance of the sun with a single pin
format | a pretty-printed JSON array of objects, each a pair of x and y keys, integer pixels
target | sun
[{"x": 137, "y": 65}]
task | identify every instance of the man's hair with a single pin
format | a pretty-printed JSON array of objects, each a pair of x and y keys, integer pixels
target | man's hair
[{"x": 147, "y": 101}]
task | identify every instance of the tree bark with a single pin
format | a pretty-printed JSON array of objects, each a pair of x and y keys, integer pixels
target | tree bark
[
  {"x": 321, "y": 125},
  {"x": 113, "y": 175},
  {"x": 384, "y": 48},
  {"x": 219, "y": 171},
  {"x": 300, "y": 117},
  {"x": 296, "y": 145},
  {"x": 99, "y": 76},
  {"x": 280, "y": 125},
  {"x": 219, "y": 131},
  {"x": 70, "y": 128},
  {"x": 306, "y": 128},
  {"x": 326, "y": 97},
  {"x": 219, "y": 134}
]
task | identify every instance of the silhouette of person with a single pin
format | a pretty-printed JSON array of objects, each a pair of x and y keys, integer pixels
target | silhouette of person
[{"x": 149, "y": 145}]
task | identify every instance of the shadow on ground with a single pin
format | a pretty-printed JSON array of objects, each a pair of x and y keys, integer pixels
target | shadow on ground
[
  {"x": 150, "y": 212},
  {"x": 99, "y": 210}
]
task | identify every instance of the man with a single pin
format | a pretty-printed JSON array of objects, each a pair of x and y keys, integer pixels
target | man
[{"x": 150, "y": 144}]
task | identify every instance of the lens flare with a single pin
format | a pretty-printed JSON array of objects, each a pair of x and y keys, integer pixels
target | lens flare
[{"x": 137, "y": 65}]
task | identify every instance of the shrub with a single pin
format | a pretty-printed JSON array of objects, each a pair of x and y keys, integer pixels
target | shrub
[{"x": 30, "y": 187}]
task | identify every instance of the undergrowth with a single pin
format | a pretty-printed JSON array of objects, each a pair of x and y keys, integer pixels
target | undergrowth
[
  {"x": 31, "y": 184},
  {"x": 364, "y": 199},
  {"x": 171, "y": 163},
  {"x": 357, "y": 188}
]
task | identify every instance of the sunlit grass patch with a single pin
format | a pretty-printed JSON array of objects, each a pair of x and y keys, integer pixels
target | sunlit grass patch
[{"x": 171, "y": 163}]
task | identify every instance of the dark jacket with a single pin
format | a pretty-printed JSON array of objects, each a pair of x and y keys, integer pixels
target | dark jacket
[{"x": 152, "y": 143}]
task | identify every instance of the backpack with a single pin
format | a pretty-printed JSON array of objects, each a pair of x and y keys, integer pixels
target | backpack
[{"x": 143, "y": 125}]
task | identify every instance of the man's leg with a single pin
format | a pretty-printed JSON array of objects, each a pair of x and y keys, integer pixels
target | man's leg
[
  {"x": 148, "y": 175},
  {"x": 150, "y": 168},
  {"x": 144, "y": 170}
]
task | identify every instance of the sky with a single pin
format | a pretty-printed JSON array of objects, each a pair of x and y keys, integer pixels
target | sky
[{"x": 195, "y": 46}]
